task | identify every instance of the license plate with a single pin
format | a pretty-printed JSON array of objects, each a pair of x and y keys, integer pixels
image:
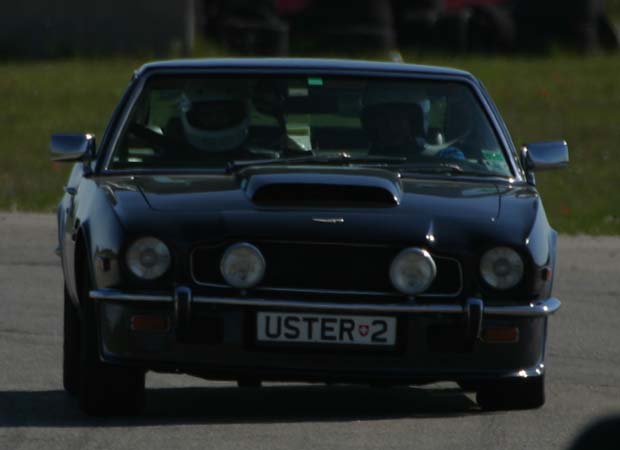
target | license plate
[{"x": 325, "y": 329}]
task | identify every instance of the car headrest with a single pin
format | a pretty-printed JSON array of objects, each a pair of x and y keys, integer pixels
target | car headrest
[{"x": 374, "y": 116}]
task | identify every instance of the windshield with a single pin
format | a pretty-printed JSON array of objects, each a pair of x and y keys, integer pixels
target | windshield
[{"x": 205, "y": 122}]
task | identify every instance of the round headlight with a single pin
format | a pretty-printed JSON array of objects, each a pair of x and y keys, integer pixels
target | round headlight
[
  {"x": 412, "y": 271},
  {"x": 148, "y": 258},
  {"x": 501, "y": 268},
  {"x": 242, "y": 265}
]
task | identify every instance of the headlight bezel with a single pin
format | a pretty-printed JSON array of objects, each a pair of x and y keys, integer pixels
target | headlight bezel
[
  {"x": 498, "y": 287},
  {"x": 256, "y": 252},
  {"x": 423, "y": 255},
  {"x": 155, "y": 242}
]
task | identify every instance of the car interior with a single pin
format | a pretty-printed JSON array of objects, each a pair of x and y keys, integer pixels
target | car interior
[{"x": 285, "y": 118}]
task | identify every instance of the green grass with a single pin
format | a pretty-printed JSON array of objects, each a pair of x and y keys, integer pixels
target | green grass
[
  {"x": 565, "y": 96},
  {"x": 39, "y": 99},
  {"x": 613, "y": 9}
]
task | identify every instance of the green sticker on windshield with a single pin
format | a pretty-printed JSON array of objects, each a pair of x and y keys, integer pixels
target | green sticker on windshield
[
  {"x": 315, "y": 81},
  {"x": 494, "y": 160},
  {"x": 491, "y": 155}
]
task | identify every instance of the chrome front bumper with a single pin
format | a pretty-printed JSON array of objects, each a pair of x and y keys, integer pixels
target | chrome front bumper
[
  {"x": 422, "y": 352},
  {"x": 183, "y": 294}
]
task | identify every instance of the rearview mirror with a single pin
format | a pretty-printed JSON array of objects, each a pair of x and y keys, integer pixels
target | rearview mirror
[
  {"x": 72, "y": 147},
  {"x": 545, "y": 155}
]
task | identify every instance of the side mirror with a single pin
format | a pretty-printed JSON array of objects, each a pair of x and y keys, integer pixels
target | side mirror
[
  {"x": 72, "y": 147},
  {"x": 545, "y": 155}
]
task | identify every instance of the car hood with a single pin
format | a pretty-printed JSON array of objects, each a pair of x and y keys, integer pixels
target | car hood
[{"x": 331, "y": 204}]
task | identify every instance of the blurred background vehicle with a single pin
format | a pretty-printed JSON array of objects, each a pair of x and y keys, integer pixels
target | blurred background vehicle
[
  {"x": 61, "y": 28},
  {"x": 269, "y": 26},
  {"x": 38, "y": 28}
]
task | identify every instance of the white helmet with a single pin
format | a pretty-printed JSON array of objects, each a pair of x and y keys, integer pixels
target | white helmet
[{"x": 214, "y": 121}]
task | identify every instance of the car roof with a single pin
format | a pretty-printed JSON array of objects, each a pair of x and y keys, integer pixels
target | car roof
[{"x": 294, "y": 64}]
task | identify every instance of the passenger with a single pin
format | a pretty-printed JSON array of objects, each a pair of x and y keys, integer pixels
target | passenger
[
  {"x": 395, "y": 124},
  {"x": 394, "y": 129}
]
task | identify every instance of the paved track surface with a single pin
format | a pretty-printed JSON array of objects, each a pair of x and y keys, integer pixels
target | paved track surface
[{"x": 182, "y": 412}]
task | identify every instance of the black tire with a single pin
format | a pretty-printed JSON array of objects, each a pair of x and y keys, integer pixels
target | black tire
[
  {"x": 104, "y": 389},
  {"x": 71, "y": 347},
  {"x": 527, "y": 393}
]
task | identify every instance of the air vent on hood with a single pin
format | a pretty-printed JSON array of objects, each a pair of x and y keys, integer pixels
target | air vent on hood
[
  {"x": 330, "y": 187},
  {"x": 324, "y": 195}
]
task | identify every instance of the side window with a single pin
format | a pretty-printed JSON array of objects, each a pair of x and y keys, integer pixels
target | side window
[
  {"x": 163, "y": 107},
  {"x": 152, "y": 114},
  {"x": 113, "y": 122}
]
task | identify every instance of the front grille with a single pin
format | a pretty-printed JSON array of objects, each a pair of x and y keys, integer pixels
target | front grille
[{"x": 326, "y": 267}]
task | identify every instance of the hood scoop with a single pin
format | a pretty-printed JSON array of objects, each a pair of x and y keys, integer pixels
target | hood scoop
[{"x": 323, "y": 190}]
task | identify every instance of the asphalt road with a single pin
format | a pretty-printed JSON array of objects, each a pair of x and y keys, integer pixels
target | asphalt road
[{"x": 583, "y": 377}]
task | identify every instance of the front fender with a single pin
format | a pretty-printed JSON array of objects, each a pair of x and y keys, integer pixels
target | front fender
[
  {"x": 68, "y": 226},
  {"x": 101, "y": 233},
  {"x": 541, "y": 243}
]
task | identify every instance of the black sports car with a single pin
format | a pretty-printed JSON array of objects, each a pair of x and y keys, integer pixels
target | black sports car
[{"x": 311, "y": 220}]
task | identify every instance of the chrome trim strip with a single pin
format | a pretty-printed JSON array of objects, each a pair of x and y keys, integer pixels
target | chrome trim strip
[
  {"x": 325, "y": 306},
  {"x": 327, "y": 291},
  {"x": 303, "y": 291},
  {"x": 113, "y": 294},
  {"x": 539, "y": 308}
]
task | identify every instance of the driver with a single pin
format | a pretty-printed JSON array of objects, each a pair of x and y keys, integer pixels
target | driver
[{"x": 215, "y": 122}]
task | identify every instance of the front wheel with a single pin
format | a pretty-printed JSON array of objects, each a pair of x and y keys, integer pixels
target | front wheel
[
  {"x": 526, "y": 393},
  {"x": 71, "y": 347},
  {"x": 104, "y": 389}
]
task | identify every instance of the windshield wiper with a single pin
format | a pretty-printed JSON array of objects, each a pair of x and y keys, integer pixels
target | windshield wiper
[
  {"x": 395, "y": 162},
  {"x": 433, "y": 168},
  {"x": 341, "y": 158},
  {"x": 448, "y": 168}
]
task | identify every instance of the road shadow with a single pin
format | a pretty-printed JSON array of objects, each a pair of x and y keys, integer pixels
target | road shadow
[{"x": 298, "y": 403}]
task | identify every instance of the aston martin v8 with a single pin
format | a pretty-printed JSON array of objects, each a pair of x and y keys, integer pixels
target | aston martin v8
[{"x": 305, "y": 220}]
